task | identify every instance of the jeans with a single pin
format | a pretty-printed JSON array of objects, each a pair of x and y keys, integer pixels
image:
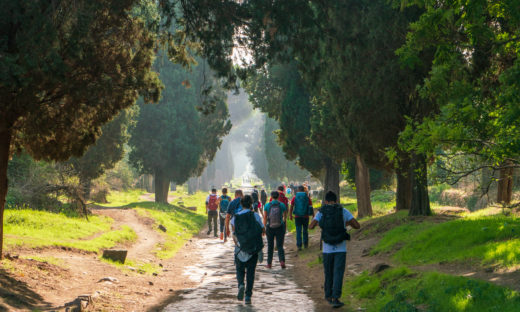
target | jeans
[
  {"x": 334, "y": 268},
  {"x": 279, "y": 234},
  {"x": 247, "y": 270},
  {"x": 302, "y": 224},
  {"x": 212, "y": 217}
]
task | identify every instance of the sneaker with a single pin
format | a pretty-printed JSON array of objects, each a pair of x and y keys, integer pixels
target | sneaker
[
  {"x": 335, "y": 303},
  {"x": 282, "y": 263},
  {"x": 248, "y": 300},
  {"x": 209, "y": 232},
  {"x": 269, "y": 266},
  {"x": 221, "y": 236},
  {"x": 241, "y": 289}
]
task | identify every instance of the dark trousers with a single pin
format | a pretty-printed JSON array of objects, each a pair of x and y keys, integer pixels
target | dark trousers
[
  {"x": 222, "y": 225},
  {"x": 334, "y": 267},
  {"x": 212, "y": 217},
  {"x": 302, "y": 225},
  {"x": 247, "y": 270},
  {"x": 279, "y": 235}
]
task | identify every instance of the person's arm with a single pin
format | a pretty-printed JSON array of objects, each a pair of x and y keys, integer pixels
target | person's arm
[
  {"x": 354, "y": 223},
  {"x": 313, "y": 224},
  {"x": 310, "y": 206},
  {"x": 265, "y": 219},
  {"x": 227, "y": 224},
  {"x": 285, "y": 215},
  {"x": 291, "y": 209}
]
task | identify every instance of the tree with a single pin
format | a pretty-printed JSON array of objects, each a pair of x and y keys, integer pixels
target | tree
[
  {"x": 107, "y": 151},
  {"x": 172, "y": 140},
  {"x": 474, "y": 81},
  {"x": 68, "y": 67}
]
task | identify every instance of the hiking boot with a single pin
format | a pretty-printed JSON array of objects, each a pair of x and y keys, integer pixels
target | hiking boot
[
  {"x": 269, "y": 266},
  {"x": 335, "y": 303},
  {"x": 282, "y": 263},
  {"x": 209, "y": 232},
  {"x": 248, "y": 300},
  {"x": 221, "y": 236},
  {"x": 329, "y": 300},
  {"x": 241, "y": 289}
]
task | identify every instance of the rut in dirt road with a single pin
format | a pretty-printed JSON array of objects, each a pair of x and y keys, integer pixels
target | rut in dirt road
[{"x": 215, "y": 270}]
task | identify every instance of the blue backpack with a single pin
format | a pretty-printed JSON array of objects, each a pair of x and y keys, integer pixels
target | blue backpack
[
  {"x": 224, "y": 204},
  {"x": 301, "y": 204}
]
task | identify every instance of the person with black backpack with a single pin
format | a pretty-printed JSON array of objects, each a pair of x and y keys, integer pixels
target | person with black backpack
[
  {"x": 223, "y": 202},
  {"x": 333, "y": 220},
  {"x": 275, "y": 217},
  {"x": 301, "y": 208},
  {"x": 247, "y": 229}
]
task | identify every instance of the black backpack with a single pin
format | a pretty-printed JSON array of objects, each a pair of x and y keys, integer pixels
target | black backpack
[
  {"x": 332, "y": 226},
  {"x": 248, "y": 232}
]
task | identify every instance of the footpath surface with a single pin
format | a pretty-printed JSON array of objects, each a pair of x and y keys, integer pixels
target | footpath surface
[{"x": 213, "y": 268}]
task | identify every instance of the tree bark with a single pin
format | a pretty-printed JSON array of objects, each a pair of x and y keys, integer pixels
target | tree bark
[
  {"x": 403, "y": 198},
  {"x": 162, "y": 185},
  {"x": 86, "y": 185},
  {"x": 362, "y": 188},
  {"x": 505, "y": 185},
  {"x": 331, "y": 181},
  {"x": 5, "y": 144},
  {"x": 420, "y": 201}
]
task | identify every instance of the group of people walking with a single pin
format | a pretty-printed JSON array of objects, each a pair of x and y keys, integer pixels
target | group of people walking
[{"x": 247, "y": 218}]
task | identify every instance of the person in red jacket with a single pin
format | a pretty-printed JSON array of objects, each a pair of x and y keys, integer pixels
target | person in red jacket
[{"x": 281, "y": 196}]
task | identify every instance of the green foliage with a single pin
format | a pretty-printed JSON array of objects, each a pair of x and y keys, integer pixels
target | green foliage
[
  {"x": 123, "y": 198},
  {"x": 491, "y": 240},
  {"x": 400, "y": 289},
  {"x": 29, "y": 228}
]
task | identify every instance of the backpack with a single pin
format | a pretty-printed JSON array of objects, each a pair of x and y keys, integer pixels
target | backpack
[
  {"x": 275, "y": 215},
  {"x": 301, "y": 204},
  {"x": 332, "y": 226},
  {"x": 212, "y": 203},
  {"x": 224, "y": 203},
  {"x": 248, "y": 233}
]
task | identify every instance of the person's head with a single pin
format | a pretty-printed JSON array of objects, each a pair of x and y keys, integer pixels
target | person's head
[
  {"x": 256, "y": 187},
  {"x": 238, "y": 193},
  {"x": 280, "y": 188},
  {"x": 275, "y": 194},
  {"x": 224, "y": 191},
  {"x": 213, "y": 191},
  {"x": 246, "y": 202},
  {"x": 331, "y": 198},
  {"x": 301, "y": 188}
]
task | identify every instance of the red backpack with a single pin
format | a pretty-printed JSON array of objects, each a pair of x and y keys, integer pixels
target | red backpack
[{"x": 212, "y": 203}]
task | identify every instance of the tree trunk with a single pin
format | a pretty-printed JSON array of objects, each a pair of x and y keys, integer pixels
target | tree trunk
[
  {"x": 505, "y": 185},
  {"x": 403, "y": 198},
  {"x": 331, "y": 181},
  {"x": 420, "y": 200},
  {"x": 86, "y": 185},
  {"x": 5, "y": 143},
  {"x": 162, "y": 185},
  {"x": 363, "y": 188}
]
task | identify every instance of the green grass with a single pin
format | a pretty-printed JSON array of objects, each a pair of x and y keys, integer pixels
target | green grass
[
  {"x": 181, "y": 225},
  {"x": 139, "y": 266},
  {"x": 122, "y": 198},
  {"x": 33, "y": 228},
  {"x": 317, "y": 261},
  {"x": 400, "y": 289},
  {"x": 492, "y": 240},
  {"x": 51, "y": 260}
]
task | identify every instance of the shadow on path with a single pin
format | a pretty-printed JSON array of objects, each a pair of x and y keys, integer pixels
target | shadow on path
[{"x": 17, "y": 294}]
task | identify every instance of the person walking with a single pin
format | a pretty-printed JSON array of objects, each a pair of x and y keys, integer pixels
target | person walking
[
  {"x": 301, "y": 208},
  {"x": 223, "y": 202},
  {"x": 333, "y": 220},
  {"x": 247, "y": 234},
  {"x": 211, "y": 210},
  {"x": 234, "y": 207},
  {"x": 281, "y": 196},
  {"x": 263, "y": 197},
  {"x": 275, "y": 217}
]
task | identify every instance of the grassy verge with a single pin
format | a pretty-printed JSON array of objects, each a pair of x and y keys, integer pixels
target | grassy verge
[
  {"x": 401, "y": 289},
  {"x": 491, "y": 240},
  {"x": 32, "y": 228},
  {"x": 122, "y": 198},
  {"x": 180, "y": 224}
]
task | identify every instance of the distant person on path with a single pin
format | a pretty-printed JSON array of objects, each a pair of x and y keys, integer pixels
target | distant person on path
[
  {"x": 281, "y": 196},
  {"x": 263, "y": 197},
  {"x": 333, "y": 220},
  {"x": 247, "y": 233},
  {"x": 234, "y": 207},
  {"x": 301, "y": 208},
  {"x": 275, "y": 217},
  {"x": 223, "y": 202},
  {"x": 212, "y": 211},
  {"x": 256, "y": 202}
]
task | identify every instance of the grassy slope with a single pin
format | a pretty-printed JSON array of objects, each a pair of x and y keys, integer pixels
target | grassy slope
[{"x": 38, "y": 229}]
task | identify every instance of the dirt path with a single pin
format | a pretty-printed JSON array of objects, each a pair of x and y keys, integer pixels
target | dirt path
[{"x": 214, "y": 270}]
